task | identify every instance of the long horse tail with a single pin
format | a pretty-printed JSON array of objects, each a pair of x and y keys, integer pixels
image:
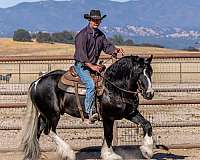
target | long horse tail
[{"x": 29, "y": 142}]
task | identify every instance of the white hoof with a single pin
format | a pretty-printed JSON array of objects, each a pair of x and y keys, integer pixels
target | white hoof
[
  {"x": 112, "y": 156},
  {"x": 146, "y": 152},
  {"x": 71, "y": 155},
  {"x": 63, "y": 149},
  {"x": 68, "y": 154}
]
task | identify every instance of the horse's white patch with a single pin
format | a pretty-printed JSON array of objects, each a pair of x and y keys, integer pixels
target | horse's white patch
[
  {"x": 36, "y": 82},
  {"x": 148, "y": 141},
  {"x": 147, "y": 147},
  {"x": 149, "y": 89},
  {"x": 63, "y": 149},
  {"x": 108, "y": 153}
]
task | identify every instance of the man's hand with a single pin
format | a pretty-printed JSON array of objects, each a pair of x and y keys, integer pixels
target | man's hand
[
  {"x": 118, "y": 50},
  {"x": 96, "y": 68}
]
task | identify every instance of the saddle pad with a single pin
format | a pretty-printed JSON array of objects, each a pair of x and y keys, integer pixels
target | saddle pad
[{"x": 81, "y": 88}]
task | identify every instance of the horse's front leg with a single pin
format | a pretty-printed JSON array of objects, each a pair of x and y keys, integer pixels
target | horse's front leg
[
  {"x": 147, "y": 146},
  {"x": 107, "y": 152}
]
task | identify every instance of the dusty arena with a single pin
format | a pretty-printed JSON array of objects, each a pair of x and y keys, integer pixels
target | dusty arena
[{"x": 174, "y": 114}]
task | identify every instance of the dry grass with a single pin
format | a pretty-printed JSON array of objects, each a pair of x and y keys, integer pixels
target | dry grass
[{"x": 13, "y": 48}]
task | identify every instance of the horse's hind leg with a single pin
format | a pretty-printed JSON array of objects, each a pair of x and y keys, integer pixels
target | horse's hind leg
[
  {"x": 41, "y": 125},
  {"x": 107, "y": 152},
  {"x": 147, "y": 147},
  {"x": 64, "y": 150}
]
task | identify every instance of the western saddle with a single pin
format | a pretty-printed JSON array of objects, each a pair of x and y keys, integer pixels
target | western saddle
[{"x": 70, "y": 82}]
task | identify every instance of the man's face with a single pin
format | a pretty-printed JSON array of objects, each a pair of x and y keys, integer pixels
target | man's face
[{"x": 95, "y": 23}]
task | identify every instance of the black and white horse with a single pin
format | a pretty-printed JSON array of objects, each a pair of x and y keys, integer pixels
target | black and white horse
[{"x": 122, "y": 80}]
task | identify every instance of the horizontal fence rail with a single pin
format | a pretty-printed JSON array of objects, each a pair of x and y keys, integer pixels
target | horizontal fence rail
[
  {"x": 142, "y": 102},
  {"x": 119, "y": 125},
  {"x": 67, "y": 57},
  {"x": 158, "y": 89}
]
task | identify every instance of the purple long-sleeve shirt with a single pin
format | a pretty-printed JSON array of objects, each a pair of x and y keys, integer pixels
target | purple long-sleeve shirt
[{"x": 89, "y": 43}]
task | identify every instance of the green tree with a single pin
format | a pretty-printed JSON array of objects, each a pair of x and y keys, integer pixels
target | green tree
[
  {"x": 22, "y": 35},
  {"x": 43, "y": 37},
  {"x": 63, "y": 37}
]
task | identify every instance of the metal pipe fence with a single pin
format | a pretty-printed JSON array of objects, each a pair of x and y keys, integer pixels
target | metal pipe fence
[
  {"x": 169, "y": 121},
  {"x": 167, "y": 69},
  {"x": 174, "y": 111}
]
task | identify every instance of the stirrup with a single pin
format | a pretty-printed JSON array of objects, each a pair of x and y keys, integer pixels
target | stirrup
[{"x": 93, "y": 118}]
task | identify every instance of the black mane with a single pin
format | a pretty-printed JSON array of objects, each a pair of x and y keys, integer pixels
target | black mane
[{"x": 119, "y": 73}]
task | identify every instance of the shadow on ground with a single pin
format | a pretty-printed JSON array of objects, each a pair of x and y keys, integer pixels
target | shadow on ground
[
  {"x": 127, "y": 152},
  {"x": 164, "y": 156}
]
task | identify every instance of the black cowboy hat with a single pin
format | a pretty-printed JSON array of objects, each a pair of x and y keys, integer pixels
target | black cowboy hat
[{"x": 94, "y": 14}]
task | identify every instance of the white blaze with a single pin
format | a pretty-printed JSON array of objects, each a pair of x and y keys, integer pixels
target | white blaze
[{"x": 149, "y": 89}]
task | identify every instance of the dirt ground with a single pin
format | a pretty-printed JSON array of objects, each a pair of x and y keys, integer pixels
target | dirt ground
[{"x": 159, "y": 114}]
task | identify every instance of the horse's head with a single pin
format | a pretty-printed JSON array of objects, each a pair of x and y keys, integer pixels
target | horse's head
[
  {"x": 145, "y": 72},
  {"x": 129, "y": 74}
]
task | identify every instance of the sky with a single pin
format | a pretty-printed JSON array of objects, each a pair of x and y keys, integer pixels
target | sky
[{"x": 9, "y": 3}]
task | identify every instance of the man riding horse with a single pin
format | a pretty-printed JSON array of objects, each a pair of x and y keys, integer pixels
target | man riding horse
[
  {"x": 123, "y": 80},
  {"x": 89, "y": 43}
]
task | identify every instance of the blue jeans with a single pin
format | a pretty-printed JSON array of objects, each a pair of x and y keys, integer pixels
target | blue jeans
[{"x": 84, "y": 74}]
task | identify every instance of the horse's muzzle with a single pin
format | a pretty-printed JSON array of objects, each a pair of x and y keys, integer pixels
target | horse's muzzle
[{"x": 148, "y": 95}]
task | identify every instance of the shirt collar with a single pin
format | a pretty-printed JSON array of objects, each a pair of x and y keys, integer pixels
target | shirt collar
[{"x": 91, "y": 30}]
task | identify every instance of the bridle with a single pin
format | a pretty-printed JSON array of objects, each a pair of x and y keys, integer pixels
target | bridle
[
  {"x": 121, "y": 89},
  {"x": 123, "y": 99},
  {"x": 139, "y": 88},
  {"x": 142, "y": 89}
]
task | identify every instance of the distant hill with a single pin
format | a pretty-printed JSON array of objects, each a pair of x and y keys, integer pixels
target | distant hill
[{"x": 138, "y": 19}]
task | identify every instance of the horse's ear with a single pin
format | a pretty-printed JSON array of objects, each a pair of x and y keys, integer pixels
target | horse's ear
[{"x": 149, "y": 59}]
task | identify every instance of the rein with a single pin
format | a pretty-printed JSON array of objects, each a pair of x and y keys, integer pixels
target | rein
[
  {"x": 104, "y": 62},
  {"x": 111, "y": 57},
  {"x": 121, "y": 89}
]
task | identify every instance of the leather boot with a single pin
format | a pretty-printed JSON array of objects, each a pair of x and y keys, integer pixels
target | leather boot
[{"x": 94, "y": 117}]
